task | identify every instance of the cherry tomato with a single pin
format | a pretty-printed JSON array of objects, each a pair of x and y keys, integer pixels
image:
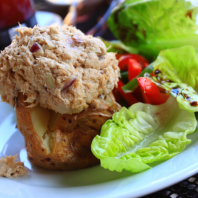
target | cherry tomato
[
  {"x": 124, "y": 59},
  {"x": 134, "y": 69},
  {"x": 151, "y": 91}
]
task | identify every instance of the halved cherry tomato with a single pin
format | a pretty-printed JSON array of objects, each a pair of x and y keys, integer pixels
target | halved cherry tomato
[
  {"x": 145, "y": 97},
  {"x": 118, "y": 56},
  {"x": 150, "y": 90},
  {"x": 134, "y": 69},
  {"x": 164, "y": 96},
  {"x": 124, "y": 59},
  {"x": 127, "y": 96}
]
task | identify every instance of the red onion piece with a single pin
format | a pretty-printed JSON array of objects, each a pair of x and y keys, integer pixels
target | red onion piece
[
  {"x": 101, "y": 71},
  {"x": 35, "y": 47},
  {"x": 45, "y": 88},
  {"x": 69, "y": 82}
]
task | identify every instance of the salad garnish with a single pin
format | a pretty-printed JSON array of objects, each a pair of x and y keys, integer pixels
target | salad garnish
[
  {"x": 162, "y": 95},
  {"x": 156, "y": 130}
]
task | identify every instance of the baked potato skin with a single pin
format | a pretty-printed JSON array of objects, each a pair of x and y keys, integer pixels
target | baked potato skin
[{"x": 72, "y": 137}]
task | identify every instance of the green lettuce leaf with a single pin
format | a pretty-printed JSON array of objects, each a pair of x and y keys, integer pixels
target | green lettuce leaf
[
  {"x": 142, "y": 135},
  {"x": 118, "y": 47},
  {"x": 176, "y": 70},
  {"x": 153, "y": 25}
]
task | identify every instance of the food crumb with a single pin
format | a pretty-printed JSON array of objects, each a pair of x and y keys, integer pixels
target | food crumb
[{"x": 10, "y": 168}]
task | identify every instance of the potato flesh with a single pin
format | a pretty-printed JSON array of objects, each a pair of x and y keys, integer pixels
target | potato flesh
[{"x": 44, "y": 124}]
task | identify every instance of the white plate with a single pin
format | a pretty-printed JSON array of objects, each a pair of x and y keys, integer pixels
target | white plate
[
  {"x": 63, "y": 2},
  {"x": 47, "y": 18},
  {"x": 91, "y": 182}
]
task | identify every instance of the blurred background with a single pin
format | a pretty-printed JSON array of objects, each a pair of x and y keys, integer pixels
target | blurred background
[{"x": 87, "y": 15}]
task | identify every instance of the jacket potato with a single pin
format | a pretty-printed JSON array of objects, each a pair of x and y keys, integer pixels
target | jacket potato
[
  {"x": 61, "y": 82},
  {"x": 62, "y": 141}
]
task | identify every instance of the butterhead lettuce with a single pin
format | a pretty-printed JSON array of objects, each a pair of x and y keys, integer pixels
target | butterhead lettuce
[
  {"x": 176, "y": 70},
  {"x": 143, "y": 134},
  {"x": 153, "y": 25}
]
